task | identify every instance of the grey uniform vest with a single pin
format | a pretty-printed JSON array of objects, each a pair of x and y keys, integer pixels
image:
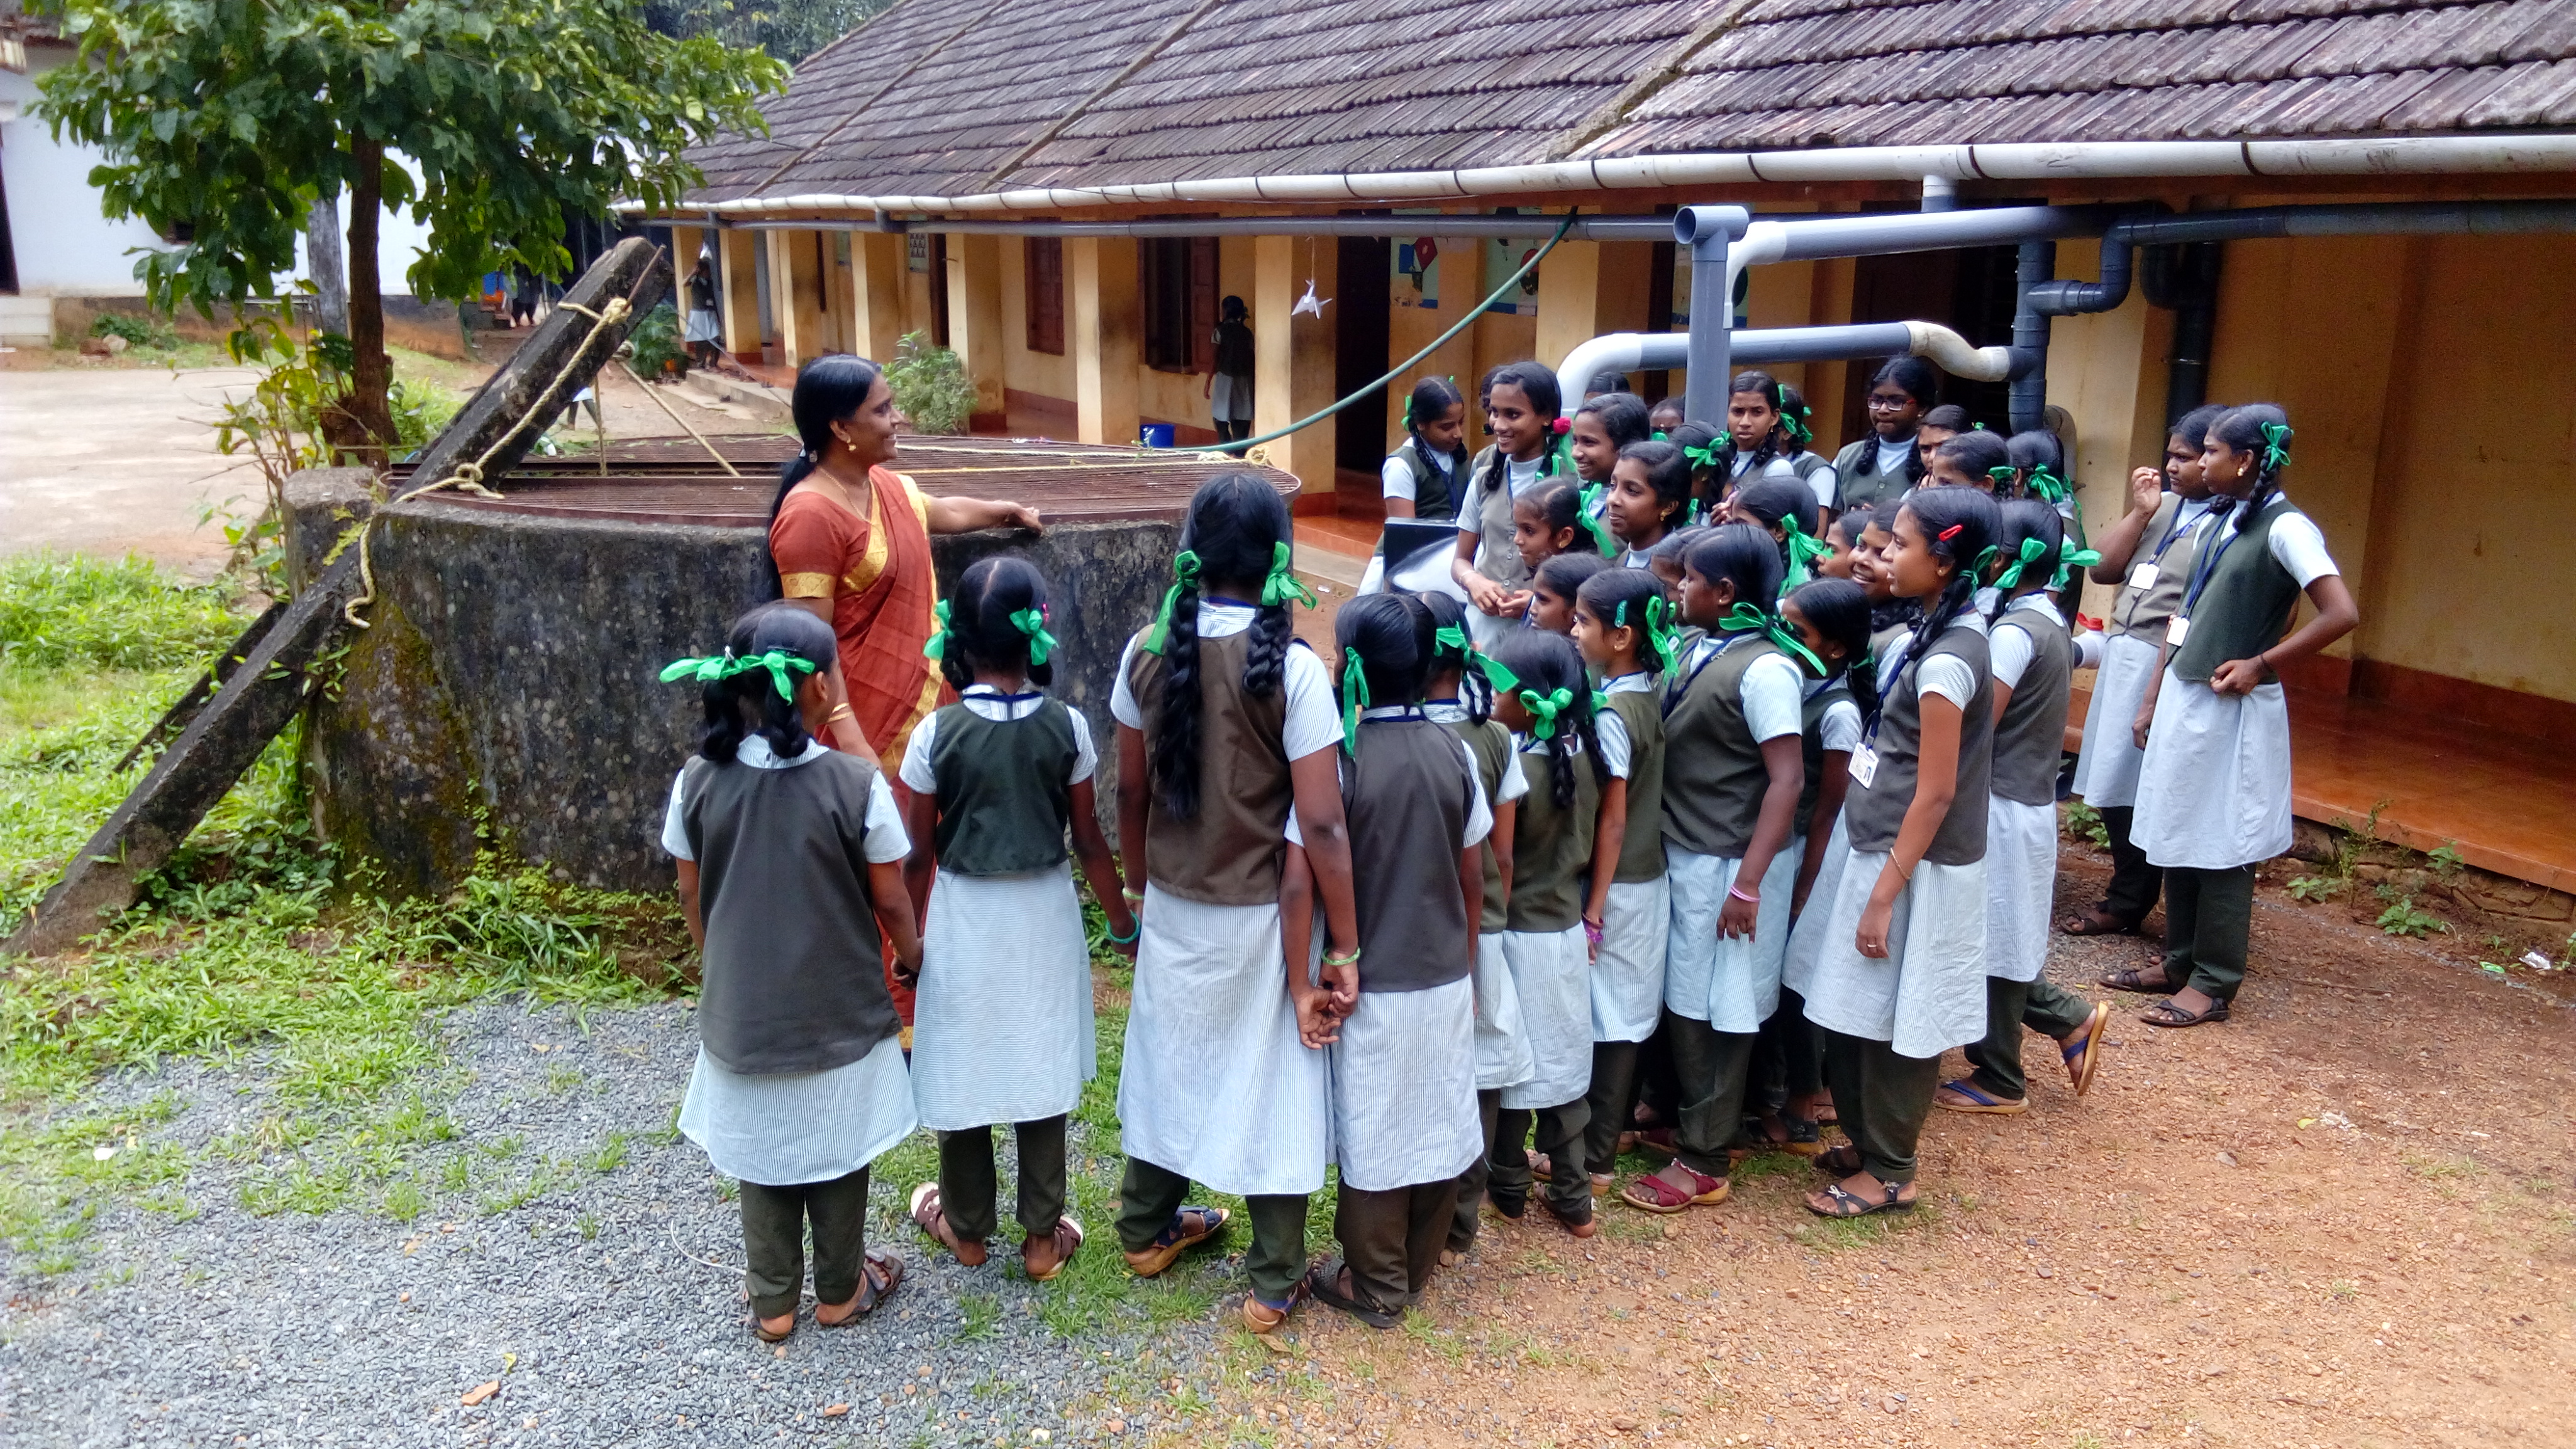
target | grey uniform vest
[
  {"x": 1228, "y": 854},
  {"x": 794, "y": 974},
  {"x": 1811, "y": 746},
  {"x": 1714, "y": 778},
  {"x": 1874, "y": 812},
  {"x": 2144, "y": 611},
  {"x": 1430, "y": 486},
  {"x": 2245, "y": 607},
  {"x": 1856, "y": 474},
  {"x": 1641, "y": 850},
  {"x": 1003, "y": 801},
  {"x": 1491, "y": 744},
  {"x": 1551, "y": 846},
  {"x": 1496, "y": 557},
  {"x": 1408, "y": 797},
  {"x": 2030, "y": 738}
]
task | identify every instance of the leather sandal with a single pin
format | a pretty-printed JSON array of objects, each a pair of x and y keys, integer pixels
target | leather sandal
[
  {"x": 1839, "y": 1161},
  {"x": 879, "y": 1275},
  {"x": 1066, "y": 1237},
  {"x": 2166, "y": 1013},
  {"x": 1263, "y": 1317},
  {"x": 2098, "y": 923},
  {"x": 1653, "y": 1194},
  {"x": 1842, "y": 1202},
  {"x": 929, "y": 1216},
  {"x": 1188, "y": 1228},
  {"x": 2140, "y": 982},
  {"x": 1324, "y": 1285}
]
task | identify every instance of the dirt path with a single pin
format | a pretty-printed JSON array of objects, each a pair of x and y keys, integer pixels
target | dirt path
[{"x": 2344, "y": 1218}]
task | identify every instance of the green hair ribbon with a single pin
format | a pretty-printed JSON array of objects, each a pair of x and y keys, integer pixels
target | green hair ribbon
[
  {"x": 1355, "y": 697},
  {"x": 1795, "y": 424},
  {"x": 1185, "y": 574},
  {"x": 1592, "y": 521},
  {"x": 2276, "y": 445},
  {"x": 1745, "y": 617},
  {"x": 2069, "y": 559},
  {"x": 1702, "y": 457},
  {"x": 1282, "y": 584},
  {"x": 2032, "y": 551},
  {"x": 2047, "y": 486},
  {"x": 1500, "y": 679},
  {"x": 1663, "y": 633},
  {"x": 938, "y": 645},
  {"x": 1544, "y": 709},
  {"x": 1803, "y": 552},
  {"x": 1659, "y": 436},
  {"x": 2004, "y": 476},
  {"x": 725, "y": 666},
  {"x": 1032, "y": 622},
  {"x": 1450, "y": 636}
]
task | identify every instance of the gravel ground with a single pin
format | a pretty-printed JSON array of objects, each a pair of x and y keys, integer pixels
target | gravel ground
[{"x": 607, "y": 1306}]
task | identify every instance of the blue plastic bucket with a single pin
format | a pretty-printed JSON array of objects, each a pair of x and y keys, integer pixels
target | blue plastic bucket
[{"x": 1155, "y": 435}]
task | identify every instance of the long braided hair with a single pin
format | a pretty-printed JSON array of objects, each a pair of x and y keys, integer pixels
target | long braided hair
[
  {"x": 1546, "y": 663},
  {"x": 1961, "y": 525},
  {"x": 1475, "y": 692},
  {"x": 1839, "y": 610},
  {"x": 2243, "y": 429},
  {"x": 1432, "y": 396},
  {"x": 1538, "y": 385},
  {"x": 1235, "y": 524}
]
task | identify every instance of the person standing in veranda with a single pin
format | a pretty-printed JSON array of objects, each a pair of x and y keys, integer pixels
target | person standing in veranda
[
  {"x": 700, "y": 331},
  {"x": 1229, "y": 387}
]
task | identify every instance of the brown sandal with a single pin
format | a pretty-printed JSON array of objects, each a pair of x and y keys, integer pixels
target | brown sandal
[
  {"x": 2165, "y": 1013},
  {"x": 1067, "y": 1237},
  {"x": 929, "y": 1216},
  {"x": 2095, "y": 923},
  {"x": 2139, "y": 982},
  {"x": 879, "y": 1275}
]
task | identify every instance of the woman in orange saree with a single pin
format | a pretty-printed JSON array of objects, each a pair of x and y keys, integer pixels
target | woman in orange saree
[{"x": 850, "y": 540}]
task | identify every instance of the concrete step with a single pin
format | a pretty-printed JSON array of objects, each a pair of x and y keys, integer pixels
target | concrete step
[
  {"x": 735, "y": 398},
  {"x": 26, "y": 321}
]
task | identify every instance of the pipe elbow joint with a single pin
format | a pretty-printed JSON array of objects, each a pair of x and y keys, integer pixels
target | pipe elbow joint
[{"x": 2069, "y": 299}]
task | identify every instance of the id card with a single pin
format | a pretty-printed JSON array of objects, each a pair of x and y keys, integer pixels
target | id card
[
  {"x": 1863, "y": 767},
  {"x": 2144, "y": 576},
  {"x": 2175, "y": 631}
]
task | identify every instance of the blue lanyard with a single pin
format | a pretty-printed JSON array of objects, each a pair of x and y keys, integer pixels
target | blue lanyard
[
  {"x": 2207, "y": 568},
  {"x": 1681, "y": 688},
  {"x": 2175, "y": 535}
]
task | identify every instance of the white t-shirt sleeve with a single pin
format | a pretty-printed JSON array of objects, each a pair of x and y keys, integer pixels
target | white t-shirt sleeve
[
  {"x": 918, "y": 774},
  {"x": 885, "y": 840},
  {"x": 2011, "y": 651},
  {"x": 1514, "y": 782},
  {"x": 675, "y": 836},
  {"x": 1312, "y": 724},
  {"x": 1480, "y": 814},
  {"x": 2088, "y": 649},
  {"x": 1840, "y": 728},
  {"x": 1774, "y": 697},
  {"x": 2298, "y": 547},
  {"x": 1122, "y": 700},
  {"x": 1395, "y": 478},
  {"x": 1086, "y": 756},
  {"x": 1611, "y": 729},
  {"x": 1948, "y": 676},
  {"x": 1823, "y": 482}
]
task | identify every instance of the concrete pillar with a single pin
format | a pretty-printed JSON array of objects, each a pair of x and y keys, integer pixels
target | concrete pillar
[
  {"x": 796, "y": 295},
  {"x": 1588, "y": 288},
  {"x": 1101, "y": 274},
  {"x": 975, "y": 320},
  {"x": 741, "y": 293},
  {"x": 876, "y": 287},
  {"x": 1292, "y": 368}
]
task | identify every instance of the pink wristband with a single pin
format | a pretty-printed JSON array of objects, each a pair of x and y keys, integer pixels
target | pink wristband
[{"x": 1754, "y": 899}]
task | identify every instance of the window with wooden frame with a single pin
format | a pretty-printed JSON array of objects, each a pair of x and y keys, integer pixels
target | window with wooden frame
[
  {"x": 1042, "y": 269},
  {"x": 1177, "y": 283}
]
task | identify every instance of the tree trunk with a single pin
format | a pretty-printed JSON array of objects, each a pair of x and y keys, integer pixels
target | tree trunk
[
  {"x": 322, "y": 258},
  {"x": 370, "y": 385}
]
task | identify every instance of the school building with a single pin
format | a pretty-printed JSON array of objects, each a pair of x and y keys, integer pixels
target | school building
[{"x": 1062, "y": 191}]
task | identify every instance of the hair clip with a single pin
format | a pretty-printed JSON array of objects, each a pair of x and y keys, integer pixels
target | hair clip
[{"x": 1951, "y": 532}]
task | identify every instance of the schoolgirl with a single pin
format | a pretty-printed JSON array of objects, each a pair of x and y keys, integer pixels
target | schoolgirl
[
  {"x": 1403, "y": 1058},
  {"x": 1978, "y": 460},
  {"x": 1521, "y": 405},
  {"x": 1731, "y": 779},
  {"x": 1842, "y": 539},
  {"x": 1708, "y": 450},
  {"x": 1601, "y": 426},
  {"x": 1666, "y": 562},
  {"x": 2033, "y": 664},
  {"x": 1891, "y": 618},
  {"x": 790, "y": 873},
  {"x": 1898, "y": 976},
  {"x": 1456, "y": 695},
  {"x": 1939, "y": 426},
  {"x": 1876, "y": 467},
  {"x": 1831, "y": 617},
  {"x": 2214, "y": 788},
  {"x": 1625, "y": 632},
  {"x": 1755, "y": 445},
  {"x": 1002, "y": 1021},
  {"x": 1222, "y": 726},
  {"x": 1553, "y": 588},
  {"x": 2039, "y": 471},
  {"x": 1541, "y": 695},
  {"x": 2144, "y": 555},
  {"x": 1427, "y": 472},
  {"x": 1649, "y": 495},
  {"x": 1784, "y": 509},
  {"x": 1798, "y": 436},
  {"x": 1664, "y": 417}
]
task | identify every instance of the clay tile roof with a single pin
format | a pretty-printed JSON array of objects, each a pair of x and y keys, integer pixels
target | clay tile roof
[{"x": 955, "y": 97}]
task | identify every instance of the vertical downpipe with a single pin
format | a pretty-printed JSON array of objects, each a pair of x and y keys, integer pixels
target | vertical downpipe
[
  {"x": 2195, "y": 304},
  {"x": 2029, "y": 404},
  {"x": 1706, "y": 230}
]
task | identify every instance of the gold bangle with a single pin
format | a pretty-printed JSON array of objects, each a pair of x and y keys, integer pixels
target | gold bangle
[{"x": 839, "y": 712}]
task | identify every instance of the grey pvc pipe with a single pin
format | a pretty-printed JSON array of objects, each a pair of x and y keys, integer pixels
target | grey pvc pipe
[
  {"x": 2122, "y": 238},
  {"x": 1705, "y": 231},
  {"x": 1528, "y": 224},
  {"x": 1657, "y": 351}
]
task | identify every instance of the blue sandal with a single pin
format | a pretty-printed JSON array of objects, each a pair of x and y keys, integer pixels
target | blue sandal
[
  {"x": 1980, "y": 1099},
  {"x": 2080, "y": 1058}
]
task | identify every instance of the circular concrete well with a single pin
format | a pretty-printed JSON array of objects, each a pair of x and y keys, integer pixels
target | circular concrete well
[{"x": 506, "y": 694}]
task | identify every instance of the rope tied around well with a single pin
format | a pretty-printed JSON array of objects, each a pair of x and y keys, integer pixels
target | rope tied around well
[{"x": 468, "y": 476}]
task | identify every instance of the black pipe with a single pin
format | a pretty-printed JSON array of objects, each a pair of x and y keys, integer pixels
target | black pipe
[
  {"x": 2184, "y": 279},
  {"x": 2029, "y": 396}
]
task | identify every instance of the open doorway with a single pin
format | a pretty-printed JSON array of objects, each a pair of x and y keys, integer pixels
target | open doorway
[
  {"x": 1359, "y": 350},
  {"x": 1969, "y": 291}
]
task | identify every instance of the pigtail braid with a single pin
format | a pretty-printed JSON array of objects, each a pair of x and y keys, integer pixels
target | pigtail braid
[
  {"x": 1265, "y": 663},
  {"x": 1560, "y": 768},
  {"x": 1175, "y": 746}
]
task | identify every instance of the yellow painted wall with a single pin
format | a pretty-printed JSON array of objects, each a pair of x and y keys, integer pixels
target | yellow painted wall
[
  {"x": 2475, "y": 522},
  {"x": 1044, "y": 373}
]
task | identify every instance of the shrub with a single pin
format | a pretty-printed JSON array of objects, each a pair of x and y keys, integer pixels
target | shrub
[
  {"x": 139, "y": 331},
  {"x": 930, "y": 386},
  {"x": 422, "y": 410},
  {"x": 656, "y": 341}
]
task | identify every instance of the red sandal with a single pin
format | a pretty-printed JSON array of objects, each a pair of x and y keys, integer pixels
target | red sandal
[{"x": 1652, "y": 1194}]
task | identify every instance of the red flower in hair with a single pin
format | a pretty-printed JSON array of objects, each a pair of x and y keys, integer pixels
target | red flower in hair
[{"x": 1560, "y": 426}]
